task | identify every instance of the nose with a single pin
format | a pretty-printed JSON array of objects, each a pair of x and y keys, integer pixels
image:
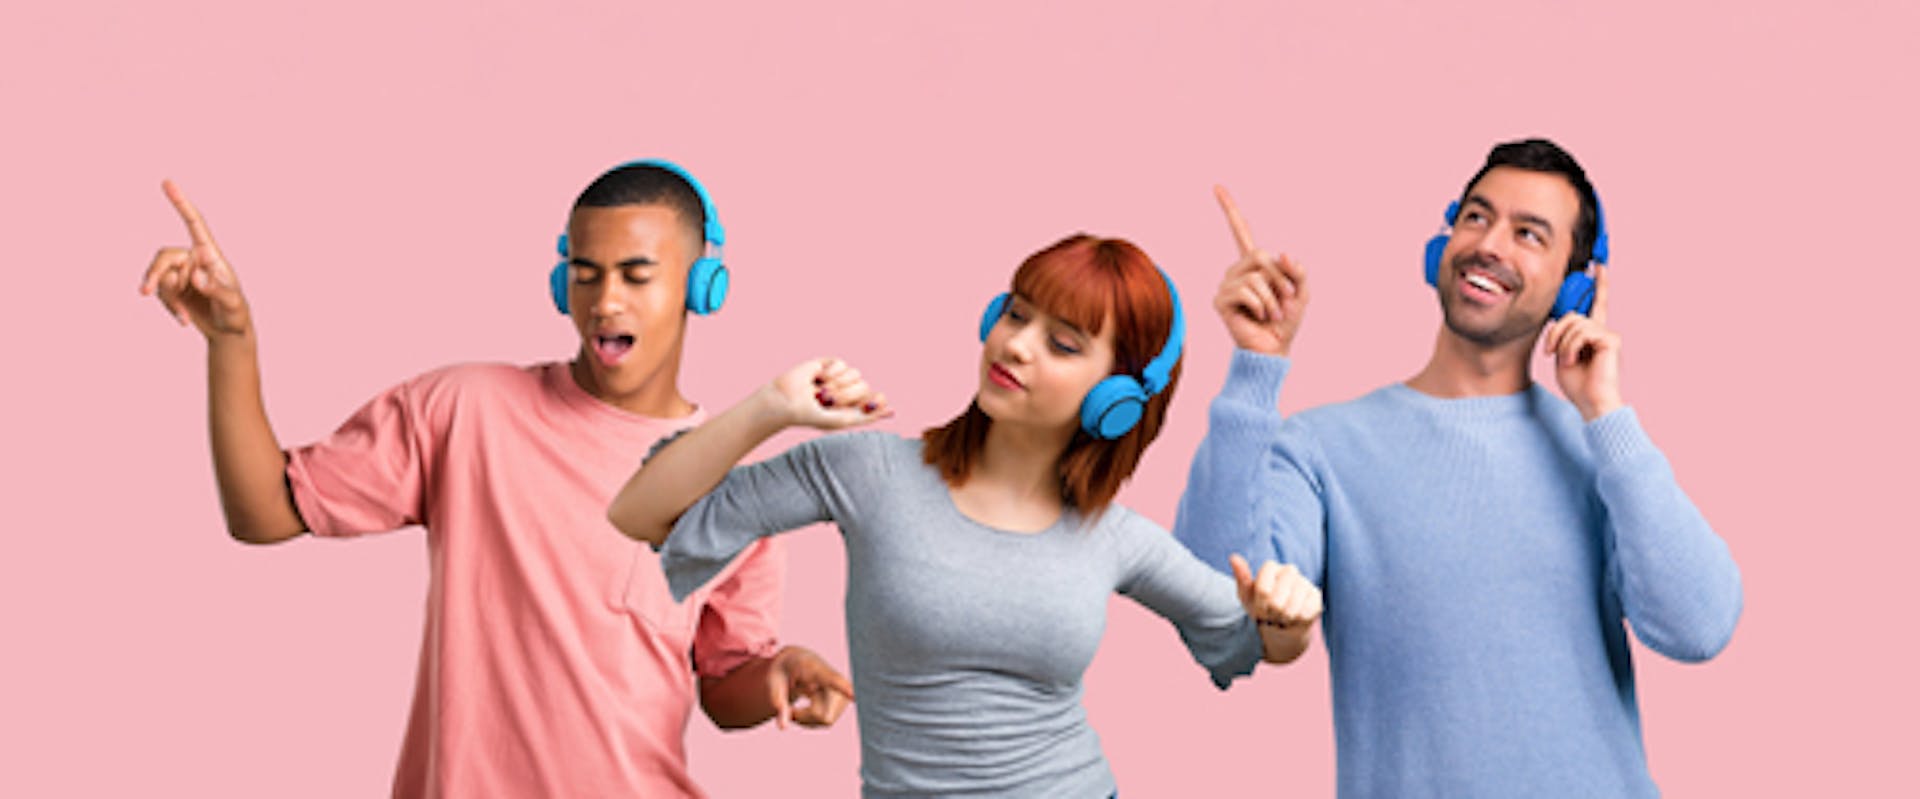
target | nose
[
  {"x": 1020, "y": 343},
  {"x": 608, "y": 296},
  {"x": 1492, "y": 240}
]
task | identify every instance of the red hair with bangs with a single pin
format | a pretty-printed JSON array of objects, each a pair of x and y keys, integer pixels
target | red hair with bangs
[{"x": 1085, "y": 281}]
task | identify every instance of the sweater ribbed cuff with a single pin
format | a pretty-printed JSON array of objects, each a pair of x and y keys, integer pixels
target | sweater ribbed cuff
[
  {"x": 1254, "y": 378},
  {"x": 1617, "y": 436}
]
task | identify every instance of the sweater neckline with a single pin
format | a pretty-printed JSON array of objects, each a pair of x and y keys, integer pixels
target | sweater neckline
[{"x": 1498, "y": 406}]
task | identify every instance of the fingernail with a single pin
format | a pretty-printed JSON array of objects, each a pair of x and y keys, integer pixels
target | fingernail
[
  {"x": 870, "y": 407},
  {"x": 824, "y": 399},
  {"x": 819, "y": 381}
]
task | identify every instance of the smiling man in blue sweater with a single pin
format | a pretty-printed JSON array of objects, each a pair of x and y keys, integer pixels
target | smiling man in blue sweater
[{"x": 1479, "y": 541}]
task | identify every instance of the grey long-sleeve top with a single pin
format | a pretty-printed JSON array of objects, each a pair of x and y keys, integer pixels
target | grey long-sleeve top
[{"x": 968, "y": 642}]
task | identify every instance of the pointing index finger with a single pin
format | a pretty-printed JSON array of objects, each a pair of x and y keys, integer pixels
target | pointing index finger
[
  {"x": 1241, "y": 235},
  {"x": 196, "y": 227}
]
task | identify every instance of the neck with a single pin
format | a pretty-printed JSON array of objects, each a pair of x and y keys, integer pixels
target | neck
[
  {"x": 657, "y": 396},
  {"x": 1021, "y": 463},
  {"x": 1462, "y": 368}
]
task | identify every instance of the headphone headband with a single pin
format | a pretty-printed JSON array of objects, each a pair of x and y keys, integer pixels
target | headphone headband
[
  {"x": 707, "y": 278},
  {"x": 1160, "y": 369},
  {"x": 1576, "y": 289},
  {"x": 1115, "y": 404},
  {"x": 712, "y": 229}
]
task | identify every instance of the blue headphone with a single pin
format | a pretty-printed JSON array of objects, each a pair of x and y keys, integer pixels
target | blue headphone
[
  {"x": 1116, "y": 403},
  {"x": 706, "y": 280},
  {"x": 1576, "y": 291}
]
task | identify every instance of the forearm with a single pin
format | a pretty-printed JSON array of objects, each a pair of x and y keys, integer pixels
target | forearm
[
  {"x": 685, "y": 470},
  {"x": 741, "y": 698},
  {"x": 1214, "y": 519},
  {"x": 247, "y": 461},
  {"x": 1677, "y": 581}
]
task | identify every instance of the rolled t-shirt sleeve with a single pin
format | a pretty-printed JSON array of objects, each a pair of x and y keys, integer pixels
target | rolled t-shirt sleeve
[
  {"x": 368, "y": 476},
  {"x": 741, "y": 619}
]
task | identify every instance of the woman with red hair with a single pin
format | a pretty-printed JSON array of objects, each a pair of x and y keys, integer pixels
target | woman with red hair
[{"x": 980, "y": 557}]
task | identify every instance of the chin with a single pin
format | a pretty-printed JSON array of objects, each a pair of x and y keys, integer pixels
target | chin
[
  {"x": 988, "y": 404},
  {"x": 1495, "y": 331}
]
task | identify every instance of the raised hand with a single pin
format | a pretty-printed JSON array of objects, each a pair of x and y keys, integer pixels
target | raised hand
[
  {"x": 1263, "y": 297},
  {"x": 828, "y": 394},
  {"x": 1279, "y": 596},
  {"x": 1586, "y": 355},
  {"x": 805, "y": 690},
  {"x": 195, "y": 283}
]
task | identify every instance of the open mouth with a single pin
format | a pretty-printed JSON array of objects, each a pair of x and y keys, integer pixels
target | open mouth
[
  {"x": 611, "y": 347},
  {"x": 1483, "y": 284}
]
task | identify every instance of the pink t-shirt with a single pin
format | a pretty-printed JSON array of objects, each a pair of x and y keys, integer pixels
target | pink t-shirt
[{"x": 554, "y": 662}]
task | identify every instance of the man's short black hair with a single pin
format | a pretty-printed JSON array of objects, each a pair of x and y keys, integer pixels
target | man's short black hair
[
  {"x": 1541, "y": 155},
  {"x": 647, "y": 184}
]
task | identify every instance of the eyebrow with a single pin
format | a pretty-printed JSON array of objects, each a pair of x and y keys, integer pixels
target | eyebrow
[
  {"x": 1531, "y": 219},
  {"x": 639, "y": 261},
  {"x": 1075, "y": 329}
]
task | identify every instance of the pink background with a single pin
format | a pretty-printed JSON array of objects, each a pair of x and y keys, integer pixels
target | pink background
[{"x": 388, "y": 180}]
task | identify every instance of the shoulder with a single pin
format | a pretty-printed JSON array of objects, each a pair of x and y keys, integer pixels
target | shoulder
[
  {"x": 465, "y": 389},
  {"x": 1127, "y": 529},
  {"x": 1360, "y": 411},
  {"x": 1307, "y": 432},
  {"x": 874, "y": 451},
  {"x": 468, "y": 378},
  {"x": 865, "y": 443}
]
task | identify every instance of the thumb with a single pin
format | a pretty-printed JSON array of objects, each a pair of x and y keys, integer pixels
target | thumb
[
  {"x": 1242, "y": 576},
  {"x": 839, "y": 682}
]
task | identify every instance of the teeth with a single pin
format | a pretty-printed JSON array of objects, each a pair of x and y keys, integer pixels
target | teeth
[{"x": 1481, "y": 282}]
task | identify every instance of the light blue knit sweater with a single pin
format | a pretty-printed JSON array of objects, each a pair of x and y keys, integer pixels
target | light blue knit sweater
[{"x": 1478, "y": 557}]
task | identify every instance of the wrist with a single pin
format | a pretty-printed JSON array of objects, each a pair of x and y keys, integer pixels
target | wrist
[
  {"x": 769, "y": 411},
  {"x": 1595, "y": 409},
  {"x": 223, "y": 346}
]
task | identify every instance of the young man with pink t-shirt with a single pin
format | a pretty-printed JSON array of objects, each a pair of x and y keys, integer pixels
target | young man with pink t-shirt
[{"x": 555, "y": 661}]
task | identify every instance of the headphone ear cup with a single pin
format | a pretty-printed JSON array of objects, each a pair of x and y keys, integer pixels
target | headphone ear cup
[
  {"x": 1576, "y": 295},
  {"x": 1436, "y": 246},
  {"x": 557, "y": 279},
  {"x": 557, "y": 286},
  {"x": 1113, "y": 407},
  {"x": 995, "y": 309},
  {"x": 707, "y": 284}
]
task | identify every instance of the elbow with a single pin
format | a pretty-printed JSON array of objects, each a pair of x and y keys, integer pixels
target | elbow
[
  {"x": 1715, "y": 637},
  {"x": 260, "y": 528},
  {"x": 1699, "y": 649},
  {"x": 1710, "y": 632},
  {"x": 653, "y": 535},
  {"x": 253, "y": 535}
]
